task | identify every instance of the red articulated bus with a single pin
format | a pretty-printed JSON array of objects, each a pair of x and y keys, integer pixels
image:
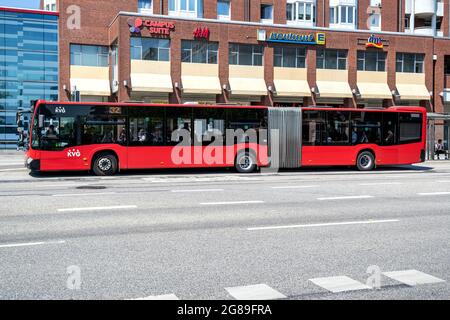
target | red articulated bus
[{"x": 107, "y": 137}]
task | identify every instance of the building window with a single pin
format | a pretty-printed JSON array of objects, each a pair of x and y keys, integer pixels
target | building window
[
  {"x": 410, "y": 62},
  {"x": 347, "y": 14},
  {"x": 331, "y": 59},
  {"x": 447, "y": 65},
  {"x": 189, "y": 8},
  {"x": 145, "y": 6},
  {"x": 90, "y": 56},
  {"x": 266, "y": 13},
  {"x": 343, "y": 16},
  {"x": 246, "y": 54},
  {"x": 223, "y": 9},
  {"x": 290, "y": 57},
  {"x": 301, "y": 11},
  {"x": 199, "y": 51},
  {"x": 371, "y": 61},
  {"x": 50, "y": 5},
  {"x": 150, "y": 49},
  {"x": 375, "y": 21}
]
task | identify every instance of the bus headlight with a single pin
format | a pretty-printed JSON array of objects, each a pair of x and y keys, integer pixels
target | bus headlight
[{"x": 29, "y": 161}]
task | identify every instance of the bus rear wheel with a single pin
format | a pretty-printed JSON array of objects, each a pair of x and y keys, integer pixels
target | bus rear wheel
[
  {"x": 245, "y": 162},
  {"x": 105, "y": 164},
  {"x": 365, "y": 161}
]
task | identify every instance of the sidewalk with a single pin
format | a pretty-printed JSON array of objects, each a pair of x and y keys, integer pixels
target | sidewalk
[{"x": 11, "y": 153}]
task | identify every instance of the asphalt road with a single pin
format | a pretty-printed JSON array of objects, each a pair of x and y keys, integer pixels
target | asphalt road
[{"x": 306, "y": 234}]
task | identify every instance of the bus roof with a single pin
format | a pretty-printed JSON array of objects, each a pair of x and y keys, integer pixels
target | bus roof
[{"x": 318, "y": 108}]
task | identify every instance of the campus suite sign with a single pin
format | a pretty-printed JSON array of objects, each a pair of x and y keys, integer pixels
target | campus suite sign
[
  {"x": 296, "y": 38},
  {"x": 162, "y": 28}
]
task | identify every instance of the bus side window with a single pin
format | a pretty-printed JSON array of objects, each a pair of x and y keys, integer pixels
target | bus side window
[
  {"x": 338, "y": 128},
  {"x": 390, "y": 129},
  {"x": 178, "y": 126},
  {"x": 366, "y": 127},
  {"x": 209, "y": 125},
  {"x": 410, "y": 127},
  {"x": 314, "y": 128}
]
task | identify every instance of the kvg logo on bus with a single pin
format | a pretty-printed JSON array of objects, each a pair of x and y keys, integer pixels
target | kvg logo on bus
[{"x": 73, "y": 153}]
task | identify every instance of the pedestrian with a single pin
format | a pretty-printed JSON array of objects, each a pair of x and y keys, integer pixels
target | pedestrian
[{"x": 439, "y": 149}]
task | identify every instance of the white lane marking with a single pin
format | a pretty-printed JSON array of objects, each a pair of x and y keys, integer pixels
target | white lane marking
[
  {"x": 29, "y": 244},
  {"x": 345, "y": 198},
  {"x": 443, "y": 181},
  {"x": 322, "y": 224},
  {"x": 160, "y": 297},
  {"x": 381, "y": 184},
  {"x": 255, "y": 292},
  {"x": 59, "y": 185},
  {"x": 339, "y": 284},
  {"x": 294, "y": 187},
  {"x": 12, "y": 163},
  {"x": 82, "y": 194},
  {"x": 197, "y": 190},
  {"x": 96, "y": 208},
  {"x": 16, "y": 169},
  {"x": 229, "y": 203},
  {"x": 412, "y": 277},
  {"x": 434, "y": 194}
]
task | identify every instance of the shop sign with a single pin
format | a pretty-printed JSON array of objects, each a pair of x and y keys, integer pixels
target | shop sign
[
  {"x": 201, "y": 33},
  {"x": 162, "y": 28},
  {"x": 374, "y": 42},
  {"x": 296, "y": 38}
]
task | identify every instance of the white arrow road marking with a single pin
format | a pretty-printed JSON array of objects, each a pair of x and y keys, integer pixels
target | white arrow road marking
[
  {"x": 255, "y": 292},
  {"x": 412, "y": 277},
  {"x": 339, "y": 284},
  {"x": 161, "y": 297}
]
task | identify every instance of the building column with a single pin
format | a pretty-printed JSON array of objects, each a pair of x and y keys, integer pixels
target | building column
[
  {"x": 433, "y": 19},
  {"x": 124, "y": 93}
]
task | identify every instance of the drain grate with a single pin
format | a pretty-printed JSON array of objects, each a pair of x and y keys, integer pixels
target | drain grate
[{"x": 91, "y": 188}]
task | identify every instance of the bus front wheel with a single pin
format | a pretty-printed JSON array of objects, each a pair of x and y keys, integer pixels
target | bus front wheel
[
  {"x": 245, "y": 162},
  {"x": 105, "y": 164},
  {"x": 365, "y": 161}
]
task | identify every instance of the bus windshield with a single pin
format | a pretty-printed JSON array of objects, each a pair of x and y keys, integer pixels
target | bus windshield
[{"x": 58, "y": 127}]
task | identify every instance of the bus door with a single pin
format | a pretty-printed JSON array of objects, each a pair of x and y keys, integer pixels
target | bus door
[{"x": 147, "y": 139}]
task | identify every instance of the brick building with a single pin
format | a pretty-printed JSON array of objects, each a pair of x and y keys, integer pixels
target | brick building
[{"x": 283, "y": 53}]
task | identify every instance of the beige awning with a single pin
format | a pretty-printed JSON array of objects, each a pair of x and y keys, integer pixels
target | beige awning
[
  {"x": 374, "y": 90},
  {"x": 248, "y": 86},
  {"x": 201, "y": 85},
  {"x": 334, "y": 89},
  {"x": 292, "y": 88},
  {"x": 149, "y": 82},
  {"x": 413, "y": 92},
  {"x": 91, "y": 87}
]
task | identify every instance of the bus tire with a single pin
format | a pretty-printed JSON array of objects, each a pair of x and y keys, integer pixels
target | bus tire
[
  {"x": 104, "y": 164},
  {"x": 365, "y": 161},
  {"x": 245, "y": 162}
]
